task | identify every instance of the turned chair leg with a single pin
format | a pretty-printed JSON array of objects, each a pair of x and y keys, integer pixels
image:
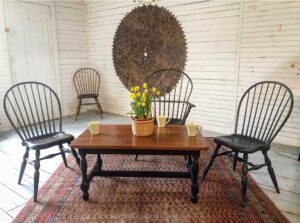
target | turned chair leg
[
  {"x": 23, "y": 165},
  {"x": 211, "y": 161},
  {"x": 236, "y": 155},
  {"x": 99, "y": 107},
  {"x": 244, "y": 179},
  {"x": 63, "y": 155},
  {"x": 78, "y": 109},
  {"x": 271, "y": 171},
  {"x": 36, "y": 175},
  {"x": 75, "y": 155}
]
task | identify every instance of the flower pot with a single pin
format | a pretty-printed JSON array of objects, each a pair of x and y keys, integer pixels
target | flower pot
[{"x": 142, "y": 127}]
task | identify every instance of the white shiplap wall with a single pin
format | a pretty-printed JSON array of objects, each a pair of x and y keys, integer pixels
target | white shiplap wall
[
  {"x": 72, "y": 47},
  {"x": 270, "y": 50},
  {"x": 5, "y": 78},
  {"x": 226, "y": 40},
  {"x": 231, "y": 44},
  {"x": 211, "y": 30}
]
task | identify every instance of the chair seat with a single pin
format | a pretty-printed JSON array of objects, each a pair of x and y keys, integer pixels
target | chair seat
[
  {"x": 240, "y": 143},
  {"x": 81, "y": 96},
  {"x": 44, "y": 142}
]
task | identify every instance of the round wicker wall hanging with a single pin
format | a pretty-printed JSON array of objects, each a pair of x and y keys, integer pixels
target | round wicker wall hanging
[{"x": 149, "y": 38}]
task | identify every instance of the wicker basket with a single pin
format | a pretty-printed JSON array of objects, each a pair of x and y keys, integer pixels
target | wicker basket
[{"x": 142, "y": 127}]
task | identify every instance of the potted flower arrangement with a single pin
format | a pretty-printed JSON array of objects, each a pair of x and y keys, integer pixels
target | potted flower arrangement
[{"x": 141, "y": 99}]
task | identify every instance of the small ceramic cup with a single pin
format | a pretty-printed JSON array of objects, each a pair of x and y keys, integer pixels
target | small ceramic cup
[
  {"x": 193, "y": 128},
  {"x": 162, "y": 120},
  {"x": 95, "y": 127}
]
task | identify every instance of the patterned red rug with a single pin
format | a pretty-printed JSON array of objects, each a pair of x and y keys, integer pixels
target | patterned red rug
[{"x": 150, "y": 199}]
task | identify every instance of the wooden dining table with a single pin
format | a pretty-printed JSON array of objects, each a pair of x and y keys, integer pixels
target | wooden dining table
[{"x": 118, "y": 139}]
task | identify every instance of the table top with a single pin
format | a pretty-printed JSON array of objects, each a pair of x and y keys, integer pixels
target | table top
[{"x": 172, "y": 137}]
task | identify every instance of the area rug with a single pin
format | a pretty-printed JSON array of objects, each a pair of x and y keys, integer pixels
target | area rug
[{"x": 150, "y": 199}]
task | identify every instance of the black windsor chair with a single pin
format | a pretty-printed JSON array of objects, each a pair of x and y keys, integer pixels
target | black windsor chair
[
  {"x": 262, "y": 111},
  {"x": 87, "y": 84},
  {"x": 34, "y": 111},
  {"x": 175, "y": 90}
]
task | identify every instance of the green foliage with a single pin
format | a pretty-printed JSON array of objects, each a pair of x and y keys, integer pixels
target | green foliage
[{"x": 141, "y": 99}]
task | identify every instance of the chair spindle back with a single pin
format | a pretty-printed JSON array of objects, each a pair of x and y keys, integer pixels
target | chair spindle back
[
  {"x": 263, "y": 110},
  {"x": 86, "y": 81},
  {"x": 33, "y": 109},
  {"x": 175, "y": 90}
]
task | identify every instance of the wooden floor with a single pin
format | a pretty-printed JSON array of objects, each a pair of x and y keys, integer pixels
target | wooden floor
[{"x": 14, "y": 196}]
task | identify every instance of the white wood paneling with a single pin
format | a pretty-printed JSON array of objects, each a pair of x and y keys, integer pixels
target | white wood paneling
[
  {"x": 72, "y": 48},
  {"x": 270, "y": 47},
  {"x": 5, "y": 78},
  {"x": 31, "y": 43},
  {"x": 211, "y": 30},
  {"x": 231, "y": 45}
]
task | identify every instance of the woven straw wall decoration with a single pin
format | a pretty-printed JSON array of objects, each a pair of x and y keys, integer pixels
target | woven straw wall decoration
[{"x": 149, "y": 38}]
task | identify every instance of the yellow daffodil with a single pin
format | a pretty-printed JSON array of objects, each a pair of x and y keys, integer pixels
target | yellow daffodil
[
  {"x": 132, "y": 96},
  {"x": 141, "y": 99},
  {"x": 144, "y": 97}
]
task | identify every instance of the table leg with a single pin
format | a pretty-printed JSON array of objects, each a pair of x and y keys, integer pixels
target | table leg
[
  {"x": 189, "y": 163},
  {"x": 194, "y": 177},
  {"x": 84, "y": 183},
  {"x": 98, "y": 163}
]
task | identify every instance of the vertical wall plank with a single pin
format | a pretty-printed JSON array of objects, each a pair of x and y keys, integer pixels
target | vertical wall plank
[{"x": 5, "y": 77}]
